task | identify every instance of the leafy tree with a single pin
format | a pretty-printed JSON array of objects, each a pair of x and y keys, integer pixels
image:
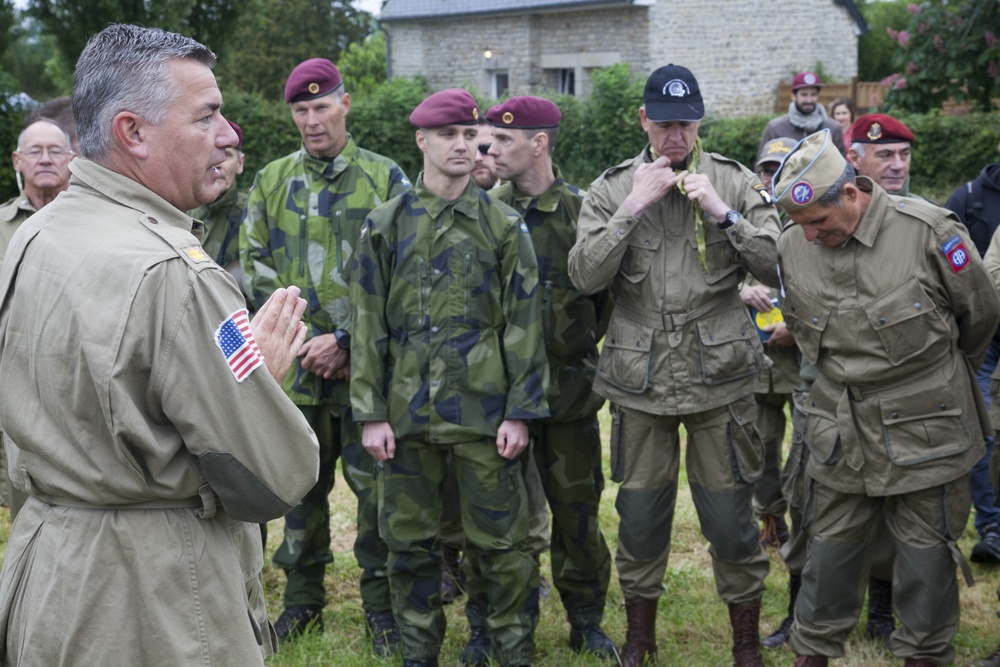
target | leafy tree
[
  {"x": 72, "y": 22},
  {"x": 876, "y": 49},
  {"x": 947, "y": 49},
  {"x": 279, "y": 34},
  {"x": 363, "y": 65},
  {"x": 35, "y": 62}
]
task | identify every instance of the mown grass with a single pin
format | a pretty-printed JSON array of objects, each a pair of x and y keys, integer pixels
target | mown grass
[{"x": 692, "y": 625}]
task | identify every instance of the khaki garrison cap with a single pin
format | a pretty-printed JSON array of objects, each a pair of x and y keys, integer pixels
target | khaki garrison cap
[{"x": 808, "y": 172}]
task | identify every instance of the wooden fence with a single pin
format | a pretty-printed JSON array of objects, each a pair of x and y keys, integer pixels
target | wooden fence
[{"x": 866, "y": 94}]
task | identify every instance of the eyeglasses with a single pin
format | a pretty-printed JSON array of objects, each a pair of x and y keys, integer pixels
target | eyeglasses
[
  {"x": 766, "y": 171},
  {"x": 484, "y": 148},
  {"x": 35, "y": 154}
]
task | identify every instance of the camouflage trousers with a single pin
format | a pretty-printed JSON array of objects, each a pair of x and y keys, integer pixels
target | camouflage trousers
[
  {"x": 724, "y": 460},
  {"x": 495, "y": 523},
  {"x": 924, "y": 525},
  {"x": 767, "y": 497},
  {"x": 305, "y": 551}
]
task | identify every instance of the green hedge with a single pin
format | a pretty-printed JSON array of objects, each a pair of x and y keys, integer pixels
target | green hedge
[{"x": 596, "y": 133}]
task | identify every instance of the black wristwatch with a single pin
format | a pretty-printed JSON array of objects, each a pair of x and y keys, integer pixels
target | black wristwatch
[
  {"x": 732, "y": 215},
  {"x": 343, "y": 339}
]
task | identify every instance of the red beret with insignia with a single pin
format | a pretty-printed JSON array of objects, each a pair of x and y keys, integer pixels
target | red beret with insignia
[
  {"x": 878, "y": 128},
  {"x": 455, "y": 106},
  {"x": 239, "y": 133},
  {"x": 525, "y": 113},
  {"x": 806, "y": 80},
  {"x": 312, "y": 78}
]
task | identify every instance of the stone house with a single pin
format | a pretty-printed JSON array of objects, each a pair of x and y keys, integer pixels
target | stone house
[{"x": 738, "y": 49}]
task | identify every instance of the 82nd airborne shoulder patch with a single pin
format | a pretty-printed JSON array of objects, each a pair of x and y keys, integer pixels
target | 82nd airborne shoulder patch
[{"x": 954, "y": 250}]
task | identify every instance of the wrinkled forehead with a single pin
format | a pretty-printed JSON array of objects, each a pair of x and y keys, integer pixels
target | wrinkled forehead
[{"x": 43, "y": 133}]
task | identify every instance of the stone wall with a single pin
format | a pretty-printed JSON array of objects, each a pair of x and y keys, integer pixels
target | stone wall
[{"x": 738, "y": 49}]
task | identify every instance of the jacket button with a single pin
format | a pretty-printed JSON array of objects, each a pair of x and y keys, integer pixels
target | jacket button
[
  {"x": 917, "y": 305},
  {"x": 153, "y": 220},
  {"x": 895, "y": 415},
  {"x": 815, "y": 320},
  {"x": 943, "y": 406},
  {"x": 881, "y": 320}
]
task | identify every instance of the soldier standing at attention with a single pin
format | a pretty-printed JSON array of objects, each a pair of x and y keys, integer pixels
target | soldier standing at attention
[
  {"x": 567, "y": 445},
  {"x": 140, "y": 406},
  {"x": 672, "y": 233},
  {"x": 303, "y": 216},
  {"x": 445, "y": 294},
  {"x": 888, "y": 298}
]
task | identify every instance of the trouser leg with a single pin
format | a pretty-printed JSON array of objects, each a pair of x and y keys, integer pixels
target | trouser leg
[
  {"x": 569, "y": 461},
  {"x": 724, "y": 460},
  {"x": 767, "y": 498},
  {"x": 409, "y": 488},
  {"x": 305, "y": 550}
]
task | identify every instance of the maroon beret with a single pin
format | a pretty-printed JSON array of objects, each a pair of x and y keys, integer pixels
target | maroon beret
[
  {"x": 806, "y": 80},
  {"x": 877, "y": 128},
  {"x": 239, "y": 133},
  {"x": 525, "y": 113},
  {"x": 312, "y": 78},
  {"x": 455, "y": 106}
]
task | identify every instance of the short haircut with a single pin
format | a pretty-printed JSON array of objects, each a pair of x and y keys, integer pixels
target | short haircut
[
  {"x": 551, "y": 132},
  {"x": 124, "y": 68},
  {"x": 832, "y": 196},
  {"x": 59, "y": 109}
]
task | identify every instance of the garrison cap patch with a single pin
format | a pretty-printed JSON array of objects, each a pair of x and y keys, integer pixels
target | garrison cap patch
[
  {"x": 764, "y": 194},
  {"x": 197, "y": 254},
  {"x": 802, "y": 193},
  {"x": 954, "y": 250}
]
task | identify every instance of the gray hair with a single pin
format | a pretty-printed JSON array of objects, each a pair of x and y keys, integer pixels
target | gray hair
[
  {"x": 124, "y": 68},
  {"x": 832, "y": 196},
  {"x": 69, "y": 142},
  {"x": 858, "y": 148}
]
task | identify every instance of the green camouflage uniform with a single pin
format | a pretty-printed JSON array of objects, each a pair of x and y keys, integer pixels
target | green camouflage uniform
[
  {"x": 303, "y": 217},
  {"x": 445, "y": 295},
  {"x": 222, "y": 218},
  {"x": 567, "y": 446}
]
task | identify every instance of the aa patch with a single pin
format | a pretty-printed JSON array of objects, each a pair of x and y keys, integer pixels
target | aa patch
[
  {"x": 764, "y": 194},
  {"x": 802, "y": 193},
  {"x": 954, "y": 250}
]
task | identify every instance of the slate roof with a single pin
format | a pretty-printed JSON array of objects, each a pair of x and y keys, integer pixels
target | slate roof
[{"x": 427, "y": 9}]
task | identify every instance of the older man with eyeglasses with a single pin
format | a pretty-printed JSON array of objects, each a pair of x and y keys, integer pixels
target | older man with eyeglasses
[{"x": 41, "y": 163}]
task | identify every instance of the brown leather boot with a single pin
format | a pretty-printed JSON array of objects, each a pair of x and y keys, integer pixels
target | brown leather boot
[
  {"x": 745, "y": 619},
  {"x": 812, "y": 661},
  {"x": 640, "y": 637}
]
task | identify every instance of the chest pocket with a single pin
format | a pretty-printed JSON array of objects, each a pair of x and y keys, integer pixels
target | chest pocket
[
  {"x": 807, "y": 319},
  {"x": 907, "y": 321},
  {"x": 476, "y": 272},
  {"x": 642, "y": 246}
]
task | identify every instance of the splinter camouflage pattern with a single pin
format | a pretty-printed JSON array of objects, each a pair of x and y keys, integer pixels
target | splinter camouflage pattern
[
  {"x": 450, "y": 320},
  {"x": 221, "y": 239},
  {"x": 303, "y": 217}
]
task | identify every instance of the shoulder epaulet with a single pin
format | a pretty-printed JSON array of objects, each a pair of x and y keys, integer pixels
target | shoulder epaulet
[{"x": 182, "y": 242}]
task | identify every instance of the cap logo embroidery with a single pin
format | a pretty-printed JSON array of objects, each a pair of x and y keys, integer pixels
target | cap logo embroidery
[
  {"x": 508, "y": 117},
  {"x": 778, "y": 148},
  {"x": 314, "y": 88},
  {"x": 875, "y": 132},
  {"x": 475, "y": 113},
  {"x": 809, "y": 78},
  {"x": 802, "y": 193},
  {"x": 676, "y": 88}
]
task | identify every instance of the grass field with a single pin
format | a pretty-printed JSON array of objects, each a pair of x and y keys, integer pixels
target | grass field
[{"x": 692, "y": 625}]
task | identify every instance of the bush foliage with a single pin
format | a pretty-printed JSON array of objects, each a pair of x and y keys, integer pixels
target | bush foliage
[{"x": 596, "y": 133}]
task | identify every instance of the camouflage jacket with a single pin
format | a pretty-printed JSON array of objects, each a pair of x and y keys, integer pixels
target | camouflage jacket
[
  {"x": 445, "y": 296},
  {"x": 573, "y": 322},
  {"x": 303, "y": 217},
  {"x": 221, "y": 239}
]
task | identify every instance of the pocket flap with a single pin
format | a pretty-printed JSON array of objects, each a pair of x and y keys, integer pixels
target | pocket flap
[
  {"x": 645, "y": 241},
  {"x": 810, "y": 312},
  {"x": 900, "y": 304}
]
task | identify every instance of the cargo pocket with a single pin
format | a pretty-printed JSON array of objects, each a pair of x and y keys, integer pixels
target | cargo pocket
[
  {"x": 906, "y": 321},
  {"x": 807, "y": 319},
  {"x": 821, "y": 433},
  {"x": 746, "y": 449},
  {"x": 730, "y": 347},
  {"x": 617, "y": 444},
  {"x": 626, "y": 361},
  {"x": 642, "y": 245},
  {"x": 923, "y": 426}
]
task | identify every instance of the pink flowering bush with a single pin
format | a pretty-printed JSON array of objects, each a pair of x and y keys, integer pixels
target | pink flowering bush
[{"x": 946, "y": 50}]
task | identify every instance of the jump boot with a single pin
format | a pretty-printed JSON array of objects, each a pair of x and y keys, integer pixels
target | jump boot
[
  {"x": 745, "y": 619},
  {"x": 640, "y": 637},
  {"x": 780, "y": 636},
  {"x": 880, "y": 622}
]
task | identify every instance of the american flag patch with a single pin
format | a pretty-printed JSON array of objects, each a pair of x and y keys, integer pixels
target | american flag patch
[{"x": 239, "y": 348}]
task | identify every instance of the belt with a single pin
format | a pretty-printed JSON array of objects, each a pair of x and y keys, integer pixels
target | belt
[
  {"x": 673, "y": 321},
  {"x": 155, "y": 504}
]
